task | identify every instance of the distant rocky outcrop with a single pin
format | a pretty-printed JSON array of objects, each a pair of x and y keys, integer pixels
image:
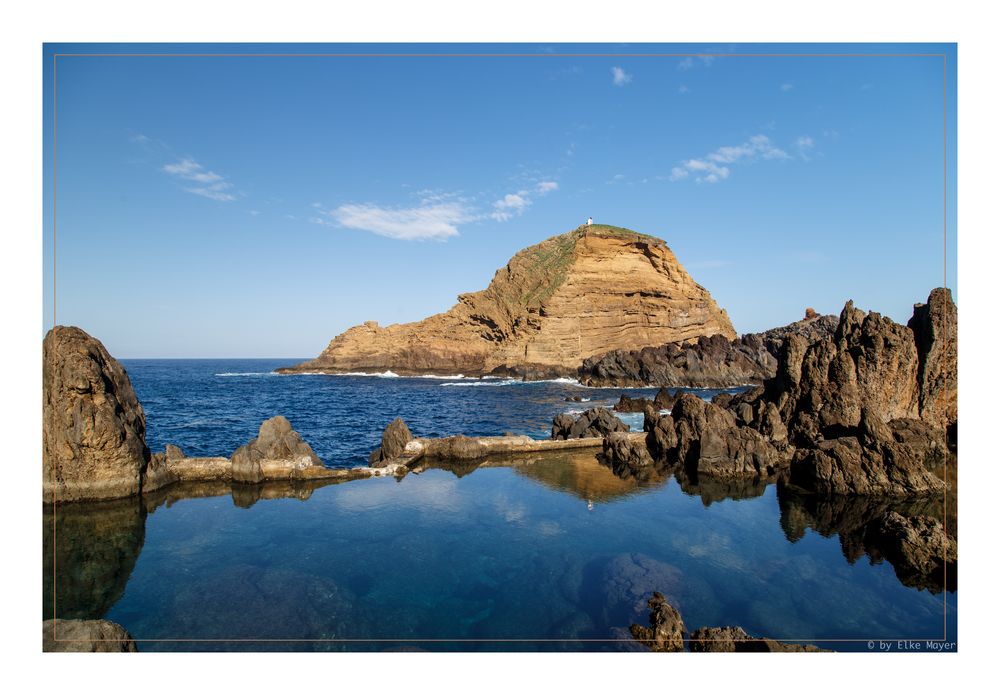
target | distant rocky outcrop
[
  {"x": 93, "y": 427},
  {"x": 276, "y": 452},
  {"x": 663, "y": 400},
  {"x": 395, "y": 437},
  {"x": 596, "y": 422},
  {"x": 705, "y": 362},
  {"x": 85, "y": 636},
  {"x": 553, "y": 305}
]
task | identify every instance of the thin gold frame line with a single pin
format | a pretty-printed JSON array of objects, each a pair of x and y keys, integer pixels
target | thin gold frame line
[{"x": 486, "y": 55}]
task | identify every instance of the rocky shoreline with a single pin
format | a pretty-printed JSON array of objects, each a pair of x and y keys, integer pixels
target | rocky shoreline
[{"x": 857, "y": 426}]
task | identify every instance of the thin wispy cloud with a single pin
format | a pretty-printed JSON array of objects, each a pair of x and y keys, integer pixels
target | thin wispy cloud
[
  {"x": 716, "y": 166},
  {"x": 435, "y": 221},
  {"x": 804, "y": 144},
  {"x": 619, "y": 77},
  {"x": 787, "y": 87},
  {"x": 695, "y": 61},
  {"x": 511, "y": 205},
  {"x": 207, "y": 184},
  {"x": 515, "y": 204}
]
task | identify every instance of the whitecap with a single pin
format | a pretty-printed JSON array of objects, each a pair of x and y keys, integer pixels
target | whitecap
[{"x": 247, "y": 374}]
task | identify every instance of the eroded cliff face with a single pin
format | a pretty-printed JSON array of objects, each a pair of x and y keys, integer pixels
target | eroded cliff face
[{"x": 554, "y": 304}]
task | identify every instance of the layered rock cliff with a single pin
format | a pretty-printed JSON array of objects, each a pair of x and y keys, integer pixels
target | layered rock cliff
[{"x": 579, "y": 294}]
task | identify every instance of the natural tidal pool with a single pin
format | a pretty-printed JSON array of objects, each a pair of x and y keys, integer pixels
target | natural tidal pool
[{"x": 550, "y": 552}]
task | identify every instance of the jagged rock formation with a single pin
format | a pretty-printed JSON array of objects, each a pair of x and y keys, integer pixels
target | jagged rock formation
[
  {"x": 93, "y": 427},
  {"x": 666, "y": 627},
  {"x": 707, "y": 441},
  {"x": 707, "y": 362},
  {"x": 552, "y": 306},
  {"x": 863, "y": 411},
  {"x": 85, "y": 636},
  {"x": 277, "y": 451},
  {"x": 596, "y": 422},
  {"x": 935, "y": 330}
]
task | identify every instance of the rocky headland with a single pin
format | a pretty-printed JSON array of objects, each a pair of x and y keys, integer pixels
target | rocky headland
[{"x": 553, "y": 305}]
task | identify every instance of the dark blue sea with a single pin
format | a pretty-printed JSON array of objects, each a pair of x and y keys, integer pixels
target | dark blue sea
[{"x": 547, "y": 553}]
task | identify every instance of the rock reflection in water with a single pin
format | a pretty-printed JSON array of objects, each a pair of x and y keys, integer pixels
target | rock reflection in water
[
  {"x": 578, "y": 473},
  {"x": 718, "y": 490},
  {"x": 90, "y": 549},
  {"x": 89, "y": 553},
  {"x": 856, "y": 521}
]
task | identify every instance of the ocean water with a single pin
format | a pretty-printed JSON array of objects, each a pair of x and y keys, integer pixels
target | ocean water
[{"x": 551, "y": 552}]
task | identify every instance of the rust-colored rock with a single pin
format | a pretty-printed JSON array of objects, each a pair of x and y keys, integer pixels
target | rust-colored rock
[{"x": 572, "y": 296}]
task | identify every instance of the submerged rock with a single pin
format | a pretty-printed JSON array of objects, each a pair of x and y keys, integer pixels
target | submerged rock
[
  {"x": 394, "y": 440},
  {"x": 596, "y": 422},
  {"x": 93, "y": 427},
  {"x": 85, "y": 636},
  {"x": 276, "y": 452}
]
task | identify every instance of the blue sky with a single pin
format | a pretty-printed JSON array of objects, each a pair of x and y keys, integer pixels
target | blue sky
[{"x": 257, "y": 206}]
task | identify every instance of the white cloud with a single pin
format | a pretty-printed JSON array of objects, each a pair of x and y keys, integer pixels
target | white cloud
[
  {"x": 430, "y": 220},
  {"x": 547, "y": 186},
  {"x": 787, "y": 87},
  {"x": 804, "y": 144},
  {"x": 713, "y": 168},
  {"x": 620, "y": 77},
  {"x": 511, "y": 205},
  {"x": 210, "y": 184},
  {"x": 683, "y": 89}
]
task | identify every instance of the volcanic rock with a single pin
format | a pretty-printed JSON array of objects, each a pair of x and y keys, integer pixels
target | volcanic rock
[
  {"x": 664, "y": 400},
  {"x": 735, "y": 639},
  {"x": 935, "y": 330},
  {"x": 666, "y": 630},
  {"x": 871, "y": 462},
  {"x": 552, "y": 306},
  {"x": 596, "y": 422},
  {"x": 277, "y": 452},
  {"x": 707, "y": 440},
  {"x": 626, "y": 456},
  {"x": 85, "y": 636},
  {"x": 93, "y": 427},
  {"x": 708, "y": 361},
  {"x": 394, "y": 440}
]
